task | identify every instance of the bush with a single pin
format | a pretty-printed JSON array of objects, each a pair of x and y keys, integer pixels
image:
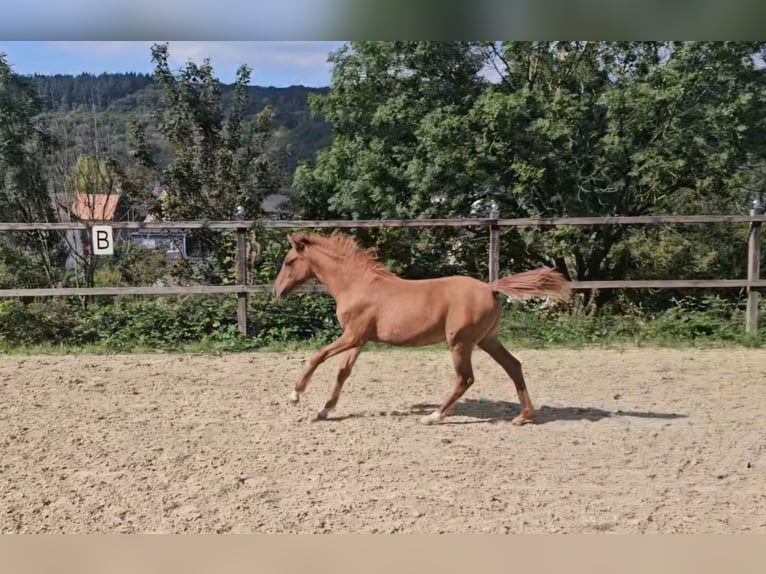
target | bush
[
  {"x": 36, "y": 323},
  {"x": 693, "y": 319},
  {"x": 157, "y": 323},
  {"x": 210, "y": 322},
  {"x": 168, "y": 323},
  {"x": 299, "y": 318}
]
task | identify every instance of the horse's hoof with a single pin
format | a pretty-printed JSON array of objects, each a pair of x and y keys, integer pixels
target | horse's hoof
[
  {"x": 295, "y": 397},
  {"x": 323, "y": 414},
  {"x": 431, "y": 419},
  {"x": 521, "y": 420}
]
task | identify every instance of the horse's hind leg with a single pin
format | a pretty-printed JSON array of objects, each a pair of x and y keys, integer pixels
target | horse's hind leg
[
  {"x": 461, "y": 357},
  {"x": 512, "y": 366},
  {"x": 343, "y": 374}
]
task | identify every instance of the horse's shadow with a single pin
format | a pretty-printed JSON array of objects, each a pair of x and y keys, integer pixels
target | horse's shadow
[
  {"x": 486, "y": 411},
  {"x": 483, "y": 410}
]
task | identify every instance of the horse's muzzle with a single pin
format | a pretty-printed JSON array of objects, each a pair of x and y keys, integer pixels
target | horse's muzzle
[{"x": 280, "y": 291}]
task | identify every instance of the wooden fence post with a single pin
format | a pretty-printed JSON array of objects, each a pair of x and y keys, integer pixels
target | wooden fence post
[
  {"x": 242, "y": 280},
  {"x": 494, "y": 252},
  {"x": 753, "y": 274}
]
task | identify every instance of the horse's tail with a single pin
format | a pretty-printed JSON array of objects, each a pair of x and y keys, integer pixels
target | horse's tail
[{"x": 543, "y": 282}]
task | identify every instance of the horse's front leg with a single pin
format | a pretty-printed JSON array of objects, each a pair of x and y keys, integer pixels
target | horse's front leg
[
  {"x": 345, "y": 342},
  {"x": 343, "y": 373}
]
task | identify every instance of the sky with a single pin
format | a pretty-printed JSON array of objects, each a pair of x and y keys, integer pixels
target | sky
[{"x": 273, "y": 63}]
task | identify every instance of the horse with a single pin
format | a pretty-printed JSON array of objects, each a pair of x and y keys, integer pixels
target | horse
[{"x": 373, "y": 304}]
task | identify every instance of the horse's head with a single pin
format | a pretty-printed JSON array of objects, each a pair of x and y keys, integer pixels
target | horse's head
[{"x": 296, "y": 269}]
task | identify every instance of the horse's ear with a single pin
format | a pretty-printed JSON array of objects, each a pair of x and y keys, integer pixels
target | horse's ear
[{"x": 299, "y": 242}]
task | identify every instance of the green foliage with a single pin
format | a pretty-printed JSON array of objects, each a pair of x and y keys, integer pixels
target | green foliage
[
  {"x": 382, "y": 94},
  {"x": 139, "y": 266},
  {"x": 24, "y": 267},
  {"x": 95, "y": 175},
  {"x": 692, "y": 320},
  {"x": 304, "y": 320},
  {"x": 129, "y": 324},
  {"x": 119, "y": 99},
  {"x": 64, "y": 92},
  {"x": 568, "y": 129},
  {"x": 155, "y": 323},
  {"x": 36, "y": 323},
  {"x": 298, "y": 318},
  {"x": 215, "y": 145},
  {"x": 25, "y": 144},
  {"x": 220, "y": 161}
]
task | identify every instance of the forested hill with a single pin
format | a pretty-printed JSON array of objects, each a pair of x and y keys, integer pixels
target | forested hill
[
  {"x": 65, "y": 93},
  {"x": 127, "y": 94}
]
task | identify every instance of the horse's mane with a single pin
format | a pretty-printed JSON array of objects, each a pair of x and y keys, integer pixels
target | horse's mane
[{"x": 344, "y": 247}]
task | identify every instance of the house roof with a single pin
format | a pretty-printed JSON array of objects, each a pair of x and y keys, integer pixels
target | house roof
[{"x": 95, "y": 206}]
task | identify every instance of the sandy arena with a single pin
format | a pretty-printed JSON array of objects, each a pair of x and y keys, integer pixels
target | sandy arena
[{"x": 636, "y": 441}]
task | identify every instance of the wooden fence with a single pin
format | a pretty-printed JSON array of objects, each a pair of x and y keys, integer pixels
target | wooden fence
[{"x": 753, "y": 283}]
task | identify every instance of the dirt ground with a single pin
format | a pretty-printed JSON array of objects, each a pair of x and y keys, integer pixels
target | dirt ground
[{"x": 637, "y": 441}]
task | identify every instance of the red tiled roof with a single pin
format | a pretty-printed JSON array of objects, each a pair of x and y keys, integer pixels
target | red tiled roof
[{"x": 95, "y": 206}]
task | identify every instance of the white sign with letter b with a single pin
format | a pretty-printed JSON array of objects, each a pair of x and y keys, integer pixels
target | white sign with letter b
[{"x": 103, "y": 243}]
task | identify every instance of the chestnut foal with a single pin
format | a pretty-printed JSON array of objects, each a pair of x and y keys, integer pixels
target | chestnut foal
[{"x": 374, "y": 304}]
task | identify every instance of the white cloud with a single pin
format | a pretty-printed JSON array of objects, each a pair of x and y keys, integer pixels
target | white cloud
[
  {"x": 264, "y": 53},
  {"x": 285, "y": 59},
  {"x": 256, "y": 54}
]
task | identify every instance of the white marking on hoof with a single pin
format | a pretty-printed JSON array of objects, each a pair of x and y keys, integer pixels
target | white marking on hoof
[
  {"x": 295, "y": 397},
  {"x": 431, "y": 419},
  {"x": 521, "y": 420},
  {"x": 322, "y": 415}
]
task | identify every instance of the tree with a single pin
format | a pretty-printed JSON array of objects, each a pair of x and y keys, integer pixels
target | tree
[
  {"x": 566, "y": 129},
  {"x": 91, "y": 161},
  {"x": 24, "y": 145},
  {"x": 220, "y": 160},
  {"x": 383, "y": 96},
  {"x": 621, "y": 129}
]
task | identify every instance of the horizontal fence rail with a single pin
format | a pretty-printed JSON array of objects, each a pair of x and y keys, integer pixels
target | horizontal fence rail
[
  {"x": 378, "y": 223},
  {"x": 753, "y": 284},
  {"x": 153, "y": 291},
  {"x": 234, "y": 289}
]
